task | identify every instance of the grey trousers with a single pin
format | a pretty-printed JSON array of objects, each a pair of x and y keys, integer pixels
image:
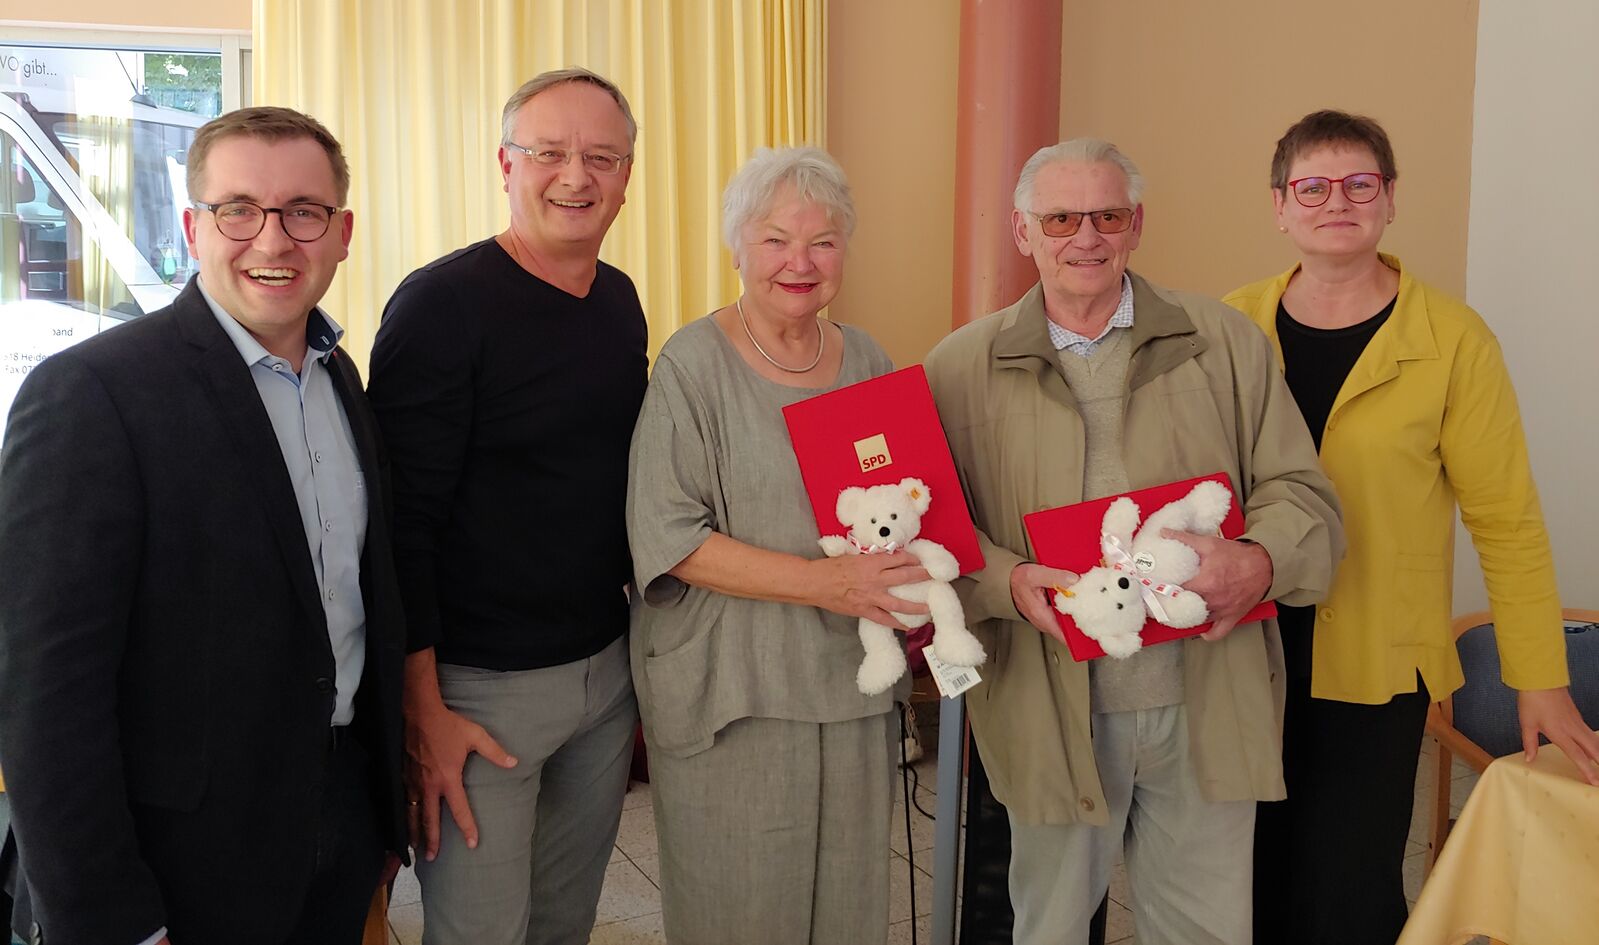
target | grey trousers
[
  {"x": 545, "y": 827},
  {"x": 1188, "y": 860},
  {"x": 778, "y": 834}
]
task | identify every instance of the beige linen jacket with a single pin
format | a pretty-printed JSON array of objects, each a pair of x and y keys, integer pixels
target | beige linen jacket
[{"x": 1204, "y": 395}]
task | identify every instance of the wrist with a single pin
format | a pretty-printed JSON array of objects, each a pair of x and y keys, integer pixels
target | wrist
[
  {"x": 420, "y": 695},
  {"x": 811, "y": 579},
  {"x": 1019, "y": 586},
  {"x": 1267, "y": 569}
]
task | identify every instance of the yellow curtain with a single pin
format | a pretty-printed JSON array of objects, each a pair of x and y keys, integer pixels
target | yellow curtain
[
  {"x": 105, "y": 164},
  {"x": 413, "y": 89}
]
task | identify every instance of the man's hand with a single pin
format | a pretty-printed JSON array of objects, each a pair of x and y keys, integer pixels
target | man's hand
[
  {"x": 437, "y": 743},
  {"x": 1030, "y": 585},
  {"x": 1552, "y": 712},
  {"x": 1233, "y": 577}
]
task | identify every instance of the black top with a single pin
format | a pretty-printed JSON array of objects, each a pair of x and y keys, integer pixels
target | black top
[
  {"x": 1316, "y": 361},
  {"x": 507, "y": 407}
]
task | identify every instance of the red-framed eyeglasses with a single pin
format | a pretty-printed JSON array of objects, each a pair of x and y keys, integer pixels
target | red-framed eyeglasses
[{"x": 1358, "y": 188}]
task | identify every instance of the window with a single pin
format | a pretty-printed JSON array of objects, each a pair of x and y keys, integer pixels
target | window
[
  {"x": 60, "y": 283},
  {"x": 46, "y": 241},
  {"x": 93, "y": 138}
]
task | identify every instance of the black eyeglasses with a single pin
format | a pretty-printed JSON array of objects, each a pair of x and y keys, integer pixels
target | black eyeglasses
[
  {"x": 1068, "y": 222},
  {"x": 1358, "y": 188},
  {"x": 242, "y": 220}
]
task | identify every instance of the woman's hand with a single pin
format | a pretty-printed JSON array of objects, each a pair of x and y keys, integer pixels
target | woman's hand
[
  {"x": 858, "y": 586},
  {"x": 1552, "y": 713},
  {"x": 850, "y": 584}
]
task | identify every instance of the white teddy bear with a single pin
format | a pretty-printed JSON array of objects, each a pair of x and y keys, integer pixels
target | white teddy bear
[
  {"x": 888, "y": 518},
  {"x": 1141, "y": 576}
]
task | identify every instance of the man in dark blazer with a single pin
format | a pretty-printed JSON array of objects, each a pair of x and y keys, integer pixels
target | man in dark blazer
[{"x": 200, "y": 636}]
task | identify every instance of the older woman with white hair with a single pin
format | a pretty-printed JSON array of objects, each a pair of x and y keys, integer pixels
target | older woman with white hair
[{"x": 772, "y": 773}]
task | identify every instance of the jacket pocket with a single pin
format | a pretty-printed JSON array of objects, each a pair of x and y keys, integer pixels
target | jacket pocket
[
  {"x": 1422, "y": 604},
  {"x": 167, "y": 780}
]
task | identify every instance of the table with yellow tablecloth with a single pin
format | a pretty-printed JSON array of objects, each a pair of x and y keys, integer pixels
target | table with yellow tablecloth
[{"x": 1522, "y": 863}]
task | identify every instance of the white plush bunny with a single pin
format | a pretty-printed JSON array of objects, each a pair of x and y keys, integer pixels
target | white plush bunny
[{"x": 1141, "y": 575}]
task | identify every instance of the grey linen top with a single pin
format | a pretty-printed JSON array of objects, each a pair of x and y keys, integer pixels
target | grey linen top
[{"x": 711, "y": 453}]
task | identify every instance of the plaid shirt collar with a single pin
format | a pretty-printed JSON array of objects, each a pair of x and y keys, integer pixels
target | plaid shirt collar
[{"x": 1065, "y": 339}]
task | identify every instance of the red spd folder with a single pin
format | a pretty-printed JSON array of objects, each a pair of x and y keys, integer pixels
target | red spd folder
[
  {"x": 1068, "y": 538},
  {"x": 881, "y": 431}
]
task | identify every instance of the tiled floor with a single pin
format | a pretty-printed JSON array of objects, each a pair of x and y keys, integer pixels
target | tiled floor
[{"x": 630, "y": 906}]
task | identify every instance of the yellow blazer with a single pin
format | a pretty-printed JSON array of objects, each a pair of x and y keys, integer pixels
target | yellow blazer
[{"x": 1427, "y": 418}]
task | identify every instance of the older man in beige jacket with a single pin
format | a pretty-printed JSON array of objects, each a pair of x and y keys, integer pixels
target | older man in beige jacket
[{"x": 1094, "y": 383}]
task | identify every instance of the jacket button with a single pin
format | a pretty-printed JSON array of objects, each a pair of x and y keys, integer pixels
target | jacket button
[
  {"x": 1086, "y": 803},
  {"x": 324, "y": 684},
  {"x": 1326, "y": 613}
]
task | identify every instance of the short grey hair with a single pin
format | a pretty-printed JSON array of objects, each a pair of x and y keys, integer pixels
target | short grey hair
[
  {"x": 549, "y": 80},
  {"x": 1078, "y": 151},
  {"x": 813, "y": 174}
]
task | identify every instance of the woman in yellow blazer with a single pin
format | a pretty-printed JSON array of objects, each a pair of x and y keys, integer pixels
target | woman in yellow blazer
[{"x": 1407, "y": 395}]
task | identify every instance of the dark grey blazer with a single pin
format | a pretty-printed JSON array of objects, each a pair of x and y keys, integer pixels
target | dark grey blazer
[{"x": 166, "y": 681}]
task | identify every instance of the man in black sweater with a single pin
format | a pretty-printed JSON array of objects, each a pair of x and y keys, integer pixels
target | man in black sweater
[{"x": 506, "y": 378}]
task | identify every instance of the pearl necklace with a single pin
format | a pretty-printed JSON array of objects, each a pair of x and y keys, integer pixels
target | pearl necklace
[{"x": 821, "y": 343}]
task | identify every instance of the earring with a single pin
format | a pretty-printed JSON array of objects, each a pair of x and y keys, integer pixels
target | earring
[{"x": 1282, "y": 229}]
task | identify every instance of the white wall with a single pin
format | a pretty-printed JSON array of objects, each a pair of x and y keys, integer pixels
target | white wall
[{"x": 1532, "y": 261}]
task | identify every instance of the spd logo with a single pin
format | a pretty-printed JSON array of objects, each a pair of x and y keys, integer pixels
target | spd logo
[{"x": 873, "y": 453}]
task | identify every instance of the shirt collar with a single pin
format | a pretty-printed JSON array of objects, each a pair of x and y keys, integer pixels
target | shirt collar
[
  {"x": 1063, "y": 338},
  {"x": 322, "y": 333}
]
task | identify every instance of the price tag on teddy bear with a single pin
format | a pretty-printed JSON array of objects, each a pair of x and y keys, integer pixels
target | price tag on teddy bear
[{"x": 950, "y": 680}]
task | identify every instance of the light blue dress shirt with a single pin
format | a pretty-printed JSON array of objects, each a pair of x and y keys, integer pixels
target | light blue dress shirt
[{"x": 319, "y": 451}]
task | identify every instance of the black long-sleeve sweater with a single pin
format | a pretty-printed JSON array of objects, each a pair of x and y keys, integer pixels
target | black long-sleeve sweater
[{"x": 507, "y": 407}]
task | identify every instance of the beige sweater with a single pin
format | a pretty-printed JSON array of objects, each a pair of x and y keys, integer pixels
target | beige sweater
[{"x": 1154, "y": 676}]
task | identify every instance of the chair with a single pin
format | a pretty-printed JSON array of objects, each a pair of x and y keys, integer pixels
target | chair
[
  {"x": 376, "y": 931},
  {"x": 1478, "y": 723}
]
